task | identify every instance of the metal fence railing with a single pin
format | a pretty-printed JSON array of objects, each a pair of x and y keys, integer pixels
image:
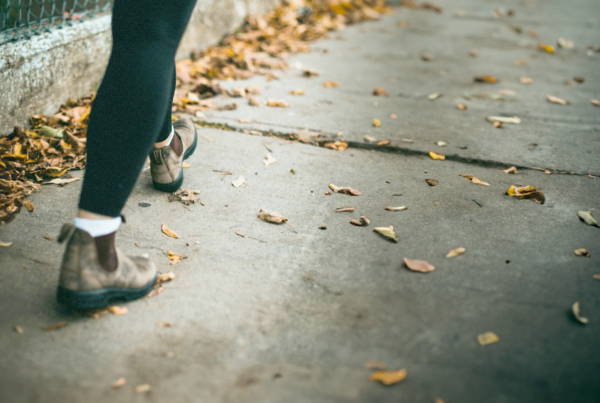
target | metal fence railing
[{"x": 21, "y": 19}]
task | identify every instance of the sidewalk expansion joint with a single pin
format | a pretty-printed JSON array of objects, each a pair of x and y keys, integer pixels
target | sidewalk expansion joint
[{"x": 388, "y": 148}]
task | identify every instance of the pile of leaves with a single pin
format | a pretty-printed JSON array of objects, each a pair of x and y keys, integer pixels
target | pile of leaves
[{"x": 51, "y": 146}]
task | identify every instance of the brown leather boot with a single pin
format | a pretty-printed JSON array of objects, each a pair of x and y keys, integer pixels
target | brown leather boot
[
  {"x": 85, "y": 284},
  {"x": 166, "y": 166}
]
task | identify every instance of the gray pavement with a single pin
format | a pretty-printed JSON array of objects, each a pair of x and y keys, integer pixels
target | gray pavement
[{"x": 296, "y": 317}]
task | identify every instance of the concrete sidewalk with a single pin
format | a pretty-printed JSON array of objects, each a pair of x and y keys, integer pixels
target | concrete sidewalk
[{"x": 296, "y": 317}]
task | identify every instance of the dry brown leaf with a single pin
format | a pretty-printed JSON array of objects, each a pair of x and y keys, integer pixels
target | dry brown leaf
[
  {"x": 401, "y": 208},
  {"x": 48, "y": 238},
  {"x": 252, "y": 101},
  {"x": 436, "y": 156},
  {"x": 55, "y": 326},
  {"x": 393, "y": 116},
  {"x": 344, "y": 209},
  {"x": 330, "y": 84},
  {"x": 338, "y": 145},
  {"x": 344, "y": 190},
  {"x": 28, "y": 205},
  {"x": 511, "y": 170},
  {"x": 431, "y": 182},
  {"x": 487, "y": 338},
  {"x": 376, "y": 122},
  {"x": 387, "y": 232},
  {"x": 582, "y": 252},
  {"x": 380, "y": 92},
  {"x": 596, "y": 276},
  {"x": 383, "y": 143},
  {"x": 118, "y": 310},
  {"x": 168, "y": 231},
  {"x": 60, "y": 181},
  {"x": 473, "y": 53},
  {"x": 145, "y": 388},
  {"x": 576, "y": 312},
  {"x": 186, "y": 196},
  {"x": 556, "y": 100},
  {"x": 526, "y": 80},
  {"x": 364, "y": 220},
  {"x": 297, "y": 91},
  {"x": 486, "y": 79},
  {"x": 271, "y": 216},
  {"x": 174, "y": 257},
  {"x": 97, "y": 314},
  {"x": 157, "y": 290},
  {"x": 475, "y": 180},
  {"x": 427, "y": 57},
  {"x": 456, "y": 252},
  {"x": 526, "y": 192},
  {"x": 356, "y": 222},
  {"x": 306, "y": 136},
  {"x": 388, "y": 377},
  {"x": 163, "y": 278},
  {"x": 419, "y": 265},
  {"x": 462, "y": 107},
  {"x": 595, "y": 102},
  {"x": 164, "y": 324},
  {"x": 19, "y": 329},
  {"x": 118, "y": 383},
  {"x": 376, "y": 365}
]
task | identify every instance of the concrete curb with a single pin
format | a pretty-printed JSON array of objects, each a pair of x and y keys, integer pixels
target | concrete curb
[{"x": 38, "y": 75}]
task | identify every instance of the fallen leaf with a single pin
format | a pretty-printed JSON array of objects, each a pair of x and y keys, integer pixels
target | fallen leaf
[
  {"x": 163, "y": 278},
  {"x": 487, "y": 338},
  {"x": 5, "y": 244},
  {"x": 185, "y": 165},
  {"x": 576, "y": 313},
  {"x": 503, "y": 119},
  {"x": 145, "y": 388},
  {"x": 408, "y": 140},
  {"x": 168, "y": 231},
  {"x": 344, "y": 209},
  {"x": 511, "y": 170},
  {"x": 380, "y": 92},
  {"x": 401, "y": 208},
  {"x": 565, "y": 44},
  {"x": 252, "y": 101},
  {"x": 119, "y": 382},
  {"x": 157, "y": 290},
  {"x": 436, "y": 156},
  {"x": 369, "y": 139},
  {"x": 582, "y": 252},
  {"x": 526, "y": 192},
  {"x": 338, "y": 145},
  {"x": 586, "y": 216},
  {"x": 545, "y": 47},
  {"x": 238, "y": 182},
  {"x": 310, "y": 73},
  {"x": 293, "y": 171},
  {"x": 356, "y": 222},
  {"x": 419, "y": 265},
  {"x": 269, "y": 159},
  {"x": 387, "y": 232},
  {"x": 322, "y": 226},
  {"x": 271, "y": 216},
  {"x": 297, "y": 91},
  {"x": 330, "y": 84},
  {"x": 475, "y": 180},
  {"x": 434, "y": 96},
  {"x": 556, "y": 100},
  {"x": 186, "y": 196},
  {"x": 174, "y": 257},
  {"x": 462, "y": 107},
  {"x": 277, "y": 103},
  {"x": 595, "y": 102},
  {"x": 55, "y": 326},
  {"x": 473, "y": 53},
  {"x": 388, "y": 377},
  {"x": 376, "y": 122},
  {"x": 393, "y": 116},
  {"x": 456, "y": 252},
  {"x": 376, "y": 365},
  {"x": 164, "y": 324},
  {"x": 431, "y": 182},
  {"x": 526, "y": 80},
  {"x": 486, "y": 79},
  {"x": 244, "y": 120},
  {"x": 365, "y": 220},
  {"x": 118, "y": 310},
  {"x": 97, "y": 314},
  {"x": 19, "y": 329},
  {"x": 383, "y": 143},
  {"x": 306, "y": 136},
  {"x": 520, "y": 62},
  {"x": 402, "y": 23},
  {"x": 28, "y": 205},
  {"x": 427, "y": 57},
  {"x": 48, "y": 238},
  {"x": 441, "y": 143},
  {"x": 596, "y": 276},
  {"x": 578, "y": 80},
  {"x": 60, "y": 181},
  {"x": 344, "y": 190}
]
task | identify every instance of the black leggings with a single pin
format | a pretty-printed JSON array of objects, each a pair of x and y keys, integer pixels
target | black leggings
[{"x": 132, "y": 109}]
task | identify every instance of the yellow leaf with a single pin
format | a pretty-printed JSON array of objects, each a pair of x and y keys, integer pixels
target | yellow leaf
[
  {"x": 437, "y": 156},
  {"x": 487, "y": 338},
  {"x": 297, "y": 91},
  {"x": 55, "y": 172},
  {"x": 456, "y": 252},
  {"x": 546, "y": 47},
  {"x": 338, "y": 145},
  {"x": 526, "y": 192},
  {"x": 174, "y": 257},
  {"x": 118, "y": 310},
  {"x": 55, "y": 326},
  {"x": 28, "y": 205},
  {"x": 486, "y": 79},
  {"x": 388, "y": 377},
  {"x": 376, "y": 122},
  {"x": 163, "y": 278},
  {"x": 168, "y": 231},
  {"x": 185, "y": 165},
  {"x": 330, "y": 84}
]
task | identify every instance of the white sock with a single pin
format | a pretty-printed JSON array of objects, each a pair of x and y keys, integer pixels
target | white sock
[
  {"x": 170, "y": 138},
  {"x": 98, "y": 228}
]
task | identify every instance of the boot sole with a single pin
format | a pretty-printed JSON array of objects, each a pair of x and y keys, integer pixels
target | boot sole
[
  {"x": 86, "y": 300},
  {"x": 173, "y": 186}
]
